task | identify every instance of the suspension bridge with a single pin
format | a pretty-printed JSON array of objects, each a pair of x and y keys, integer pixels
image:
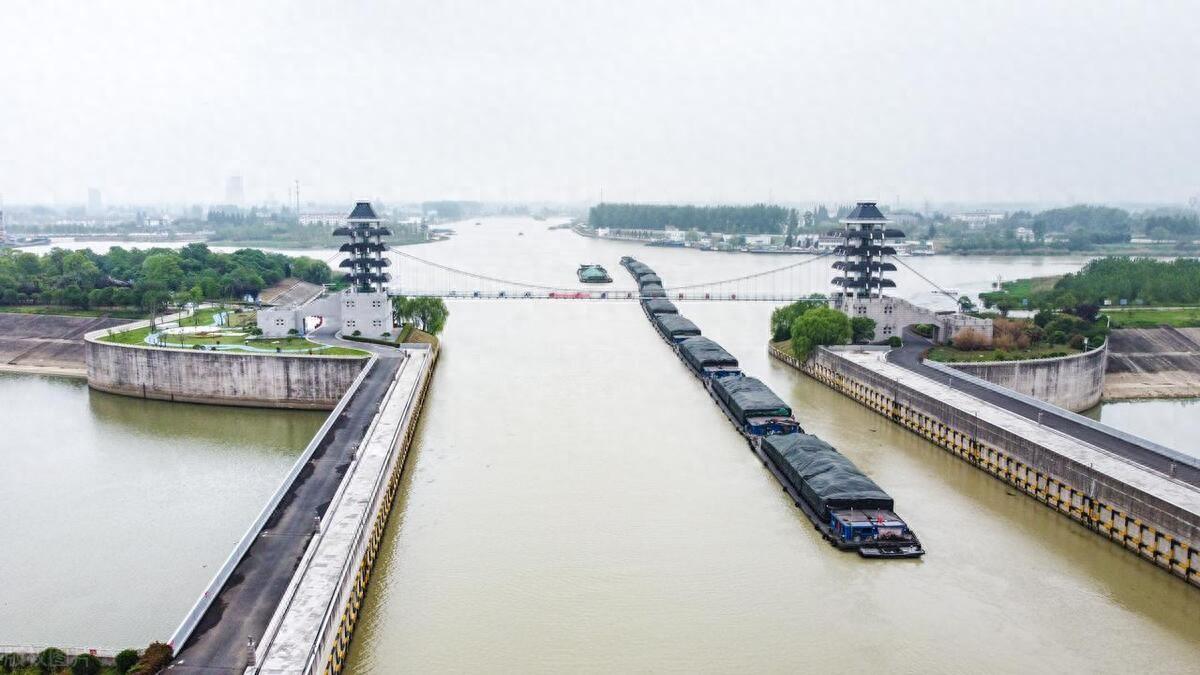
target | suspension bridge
[{"x": 419, "y": 277}]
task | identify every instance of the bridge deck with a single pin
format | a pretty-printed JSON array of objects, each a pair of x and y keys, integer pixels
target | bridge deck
[{"x": 244, "y": 605}]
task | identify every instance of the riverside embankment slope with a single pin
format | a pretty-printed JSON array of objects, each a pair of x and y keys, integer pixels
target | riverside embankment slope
[{"x": 47, "y": 344}]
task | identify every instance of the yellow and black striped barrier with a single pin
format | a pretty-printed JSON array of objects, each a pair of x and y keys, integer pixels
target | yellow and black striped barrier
[{"x": 1148, "y": 542}]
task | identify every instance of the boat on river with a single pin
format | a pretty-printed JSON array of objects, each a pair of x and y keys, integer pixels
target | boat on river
[{"x": 593, "y": 274}]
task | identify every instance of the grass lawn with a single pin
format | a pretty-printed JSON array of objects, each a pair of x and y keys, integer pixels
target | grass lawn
[
  {"x": 203, "y": 317},
  {"x": 1148, "y": 317},
  {"x": 1020, "y": 289},
  {"x": 952, "y": 355},
  {"x": 130, "y": 337},
  {"x": 71, "y": 311},
  {"x": 288, "y": 345}
]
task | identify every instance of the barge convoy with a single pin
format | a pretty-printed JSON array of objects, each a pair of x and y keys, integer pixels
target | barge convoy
[{"x": 849, "y": 510}]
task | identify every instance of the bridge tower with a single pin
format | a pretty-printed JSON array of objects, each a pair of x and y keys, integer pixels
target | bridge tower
[
  {"x": 864, "y": 234},
  {"x": 858, "y": 288},
  {"x": 365, "y": 247},
  {"x": 365, "y": 308}
]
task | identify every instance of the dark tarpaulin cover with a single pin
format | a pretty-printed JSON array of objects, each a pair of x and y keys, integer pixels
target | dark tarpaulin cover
[
  {"x": 674, "y": 325},
  {"x": 823, "y": 476},
  {"x": 653, "y": 291},
  {"x": 636, "y": 268},
  {"x": 702, "y": 352},
  {"x": 660, "y": 306},
  {"x": 748, "y": 397},
  {"x": 651, "y": 278}
]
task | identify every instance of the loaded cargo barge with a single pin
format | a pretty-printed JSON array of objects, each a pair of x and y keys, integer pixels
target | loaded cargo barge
[{"x": 849, "y": 510}]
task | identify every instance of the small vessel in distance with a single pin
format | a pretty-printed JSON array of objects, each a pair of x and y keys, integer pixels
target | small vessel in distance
[{"x": 593, "y": 274}]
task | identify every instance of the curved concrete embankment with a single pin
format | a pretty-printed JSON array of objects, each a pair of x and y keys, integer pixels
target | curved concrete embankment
[
  {"x": 195, "y": 376},
  {"x": 1073, "y": 382}
]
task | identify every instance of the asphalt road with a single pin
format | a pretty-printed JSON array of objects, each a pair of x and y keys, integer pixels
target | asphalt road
[
  {"x": 909, "y": 357},
  {"x": 244, "y": 606}
]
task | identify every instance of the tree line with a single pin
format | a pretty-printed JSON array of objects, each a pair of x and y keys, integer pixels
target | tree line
[
  {"x": 754, "y": 219},
  {"x": 1135, "y": 280},
  {"x": 145, "y": 278},
  {"x": 1072, "y": 228}
]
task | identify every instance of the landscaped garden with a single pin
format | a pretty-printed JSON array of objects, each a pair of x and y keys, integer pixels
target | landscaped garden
[{"x": 226, "y": 330}]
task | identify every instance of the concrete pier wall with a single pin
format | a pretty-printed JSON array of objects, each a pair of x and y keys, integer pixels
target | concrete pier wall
[
  {"x": 1141, "y": 512},
  {"x": 1073, "y": 382},
  {"x": 194, "y": 376}
]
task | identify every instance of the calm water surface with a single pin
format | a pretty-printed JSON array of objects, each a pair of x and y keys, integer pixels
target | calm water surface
[
  {"x": 1174, "y": 423},
  {"x": 116, "y": 511},
  {"x": 576, "y": 502}
]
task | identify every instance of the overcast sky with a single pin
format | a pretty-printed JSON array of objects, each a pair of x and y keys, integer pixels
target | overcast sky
[{"x": 651, "y": 101}]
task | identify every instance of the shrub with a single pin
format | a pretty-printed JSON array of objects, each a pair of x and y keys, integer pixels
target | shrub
[
  {"x": 156, "y": 657},
  {"x": 85, "y": 664},
  {"x": 1004, "y": 342},
  {"x": 125, "y": 660},
  {"x": 356, "y": 333},
  {"x": 1076, "y": 341},
  {"x": 923, "y": 329},
  {"x": 293, "y": 331},
  {"x": 820, "y": 326},
  {"x": 862, "y": 329},
  {"x": 50, "y": 660},
  {"x": 970, "y": 340},
  {"x": 895, "y": 341}
]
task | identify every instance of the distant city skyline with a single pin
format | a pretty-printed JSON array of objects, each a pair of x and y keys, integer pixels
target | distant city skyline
[{"x": 701, "y": 101}]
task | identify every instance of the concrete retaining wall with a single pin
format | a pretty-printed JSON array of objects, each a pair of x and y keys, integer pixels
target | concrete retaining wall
[
  {"x": 193, "y": 376},
  {"x": 1072, "y": 382},
  {"x": 1153, "y": 528}
]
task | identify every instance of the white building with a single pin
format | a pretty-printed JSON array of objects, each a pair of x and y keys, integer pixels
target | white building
[
  {"x": 364, "y": 309},
  {"x": 977, "y": 220},
  {"x": 1025, "y": 234},
  {"x": 863, "y": 248}
]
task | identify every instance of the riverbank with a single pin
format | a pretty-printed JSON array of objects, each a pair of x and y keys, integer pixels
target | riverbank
[{"x": 1150, "y": 363}]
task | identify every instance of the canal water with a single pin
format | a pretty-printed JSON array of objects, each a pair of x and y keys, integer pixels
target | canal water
[
  {"x": 576, "y": 502},
  {"x": 115, "y": 512}
]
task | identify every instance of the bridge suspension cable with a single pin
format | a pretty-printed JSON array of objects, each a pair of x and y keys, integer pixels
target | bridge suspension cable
[
  {"x": 752, "y": 276},
  {"x": 927, "y": 280}
]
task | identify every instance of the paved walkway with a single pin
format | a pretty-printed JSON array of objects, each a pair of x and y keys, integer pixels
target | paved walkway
[
  {"x": 909, "y": 358},
  {"x": 319, "y": 585},
  {"x": 244, "y": 606}
]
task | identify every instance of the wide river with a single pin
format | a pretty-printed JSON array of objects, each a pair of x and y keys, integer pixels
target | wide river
[{"x": 576, "y": 502}]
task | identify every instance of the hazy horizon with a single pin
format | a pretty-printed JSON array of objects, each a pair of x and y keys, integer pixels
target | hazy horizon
[{"x": 700, "y": 102}]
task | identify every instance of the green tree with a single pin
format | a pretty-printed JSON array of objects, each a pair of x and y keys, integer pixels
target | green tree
[
  {"x": 125, "y": 660},
  {"x": 163, "y": 269},
  {"x": 783, "y": 317},
  {"x": 862, "y": 329},
  {"x": 817, "y": 327},
  {"x": 431, "y": 314}
]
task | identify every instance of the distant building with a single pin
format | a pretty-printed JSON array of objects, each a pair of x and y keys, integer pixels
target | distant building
[
  {"x": 334, "y": 219},
  {"x": 95, "y": 206},
  {"x": 977, "y": 220},
  {"x": 1025, "y": 234},
  {"x": 235, "y": 191}
]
